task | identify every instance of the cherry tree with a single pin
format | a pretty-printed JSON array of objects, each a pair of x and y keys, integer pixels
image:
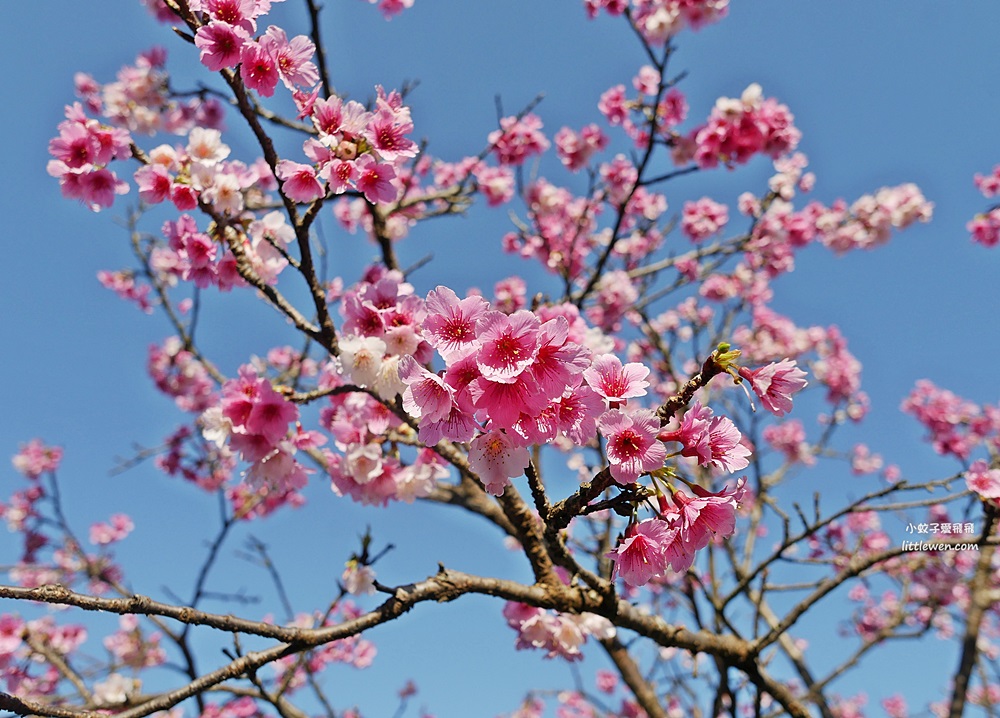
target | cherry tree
[{"x": 629, "y": 415}]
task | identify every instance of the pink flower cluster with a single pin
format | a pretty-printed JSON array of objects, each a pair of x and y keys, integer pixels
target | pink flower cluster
[
  {"x": 131, "y": 648},
  {"x": 200, "y": 172},
  {"x": 701, "y": 219},
  {"x": 955, "y": 426},
  {"x": 356, "y": 149},
  {"x": 82, "y": 152},
  {"x": 711, "y": 440},
  {"x": 575, "y": 148},
  {"x": 772, "y": 337},
  {"x": 789, "y": 438},
  {"x": 635, "y": 115},
  {"x": 383, "y": 328},
  {"x": 869, "y": 221},
  {"x": 558, "y": 634},
  {"x": 139, "y": 99},
  {"x": 124, "y": 285},
  {"x": 518, "y": 139},
  {"x": 684, "y": 525},
  {"x": 659, "y": 20},
  {"x": 983, "y": 480},
  {"x": 191, "y": 457},
  {"x": 118, "y": 527},
  {"x": 738, "y": 129},
  {"x": 254, "y": 419},
  {"x": 985, "y": 227},
  {"x": 177, "y": 373},
  {"x": 225, "y": 41},
  {"x": 35, "y": 459},
  {"x": 137, "y": 102},
  {"x": 355, "y": 651},
  {"x": 510, "y": 381},
  {"x": 562, "y": 234}
]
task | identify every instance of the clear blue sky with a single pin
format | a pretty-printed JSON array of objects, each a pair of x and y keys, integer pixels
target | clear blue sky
[{"x": 882, "y": 96}]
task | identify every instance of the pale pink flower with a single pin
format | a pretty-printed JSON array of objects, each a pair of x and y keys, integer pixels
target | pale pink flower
[
  {"x": 703, "y": 218},
  {"x": 495, "y": 183},
  {"x": 615, "y": 382},
  {"x": 361, "y": 358},
  {"x": 495, "y": 458},
  {"x": 775, "y": 383},
  {"x": 118, "y": 527},
  {"x": 358, "y": 580},
  {"x": 983, "y": 480},
  {"x": 35, "y": 459}
]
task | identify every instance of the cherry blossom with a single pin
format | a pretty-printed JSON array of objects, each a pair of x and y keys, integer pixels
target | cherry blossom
[{"x": 495, "y": 458}]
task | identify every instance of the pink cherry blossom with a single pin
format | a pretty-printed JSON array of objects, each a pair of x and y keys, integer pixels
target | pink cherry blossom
[
  {"x": 983, "y": 480},
  {"x": 713, "y": 440},
  {"x": 427, "y": 396},
  {"x": 299, "y": 181},
  {"x": 632, "y": 446},
  {"x": 705, "y": 515},
  {"x": 35, "y": 459},
  {"x": 495, "y": 458},
  {"x": 258, "y": 69},
  {"x": 775, "y": 384},
  {"x": 450, "y": 325},
  {"x": 118, "y": 527},
  {"x": 375, "y": 180},
  {"x": 640, "y": 556},
  {"x": 293, "y": 58},
  {"x": 509, "y": 344},
  {"x": 703, "y": 218},
  {"x": 615, "y": 382},
  {"x": 518, "y": 139},
  {"x": 221, "y": 44}
]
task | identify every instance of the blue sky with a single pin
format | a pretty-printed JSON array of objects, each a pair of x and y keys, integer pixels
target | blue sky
[{"x": 882, "y": 97}]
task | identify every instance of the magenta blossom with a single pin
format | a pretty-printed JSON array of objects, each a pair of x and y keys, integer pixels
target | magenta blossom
[
  {"x": 633, "y": 448},
  {"x": 299, "y": 181},
  {"x": 640, "y": 556},
  {"x": 258, "y": 69},
  {"x": 375, "y": 179},
  {"x": 713, "y": 440},
  {"x": 221, "y": 44},
  {"x": 705, "y": 515}
]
